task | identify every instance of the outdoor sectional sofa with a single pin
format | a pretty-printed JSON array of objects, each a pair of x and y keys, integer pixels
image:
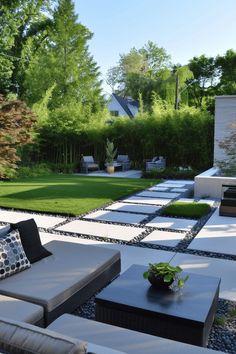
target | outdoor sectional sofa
[{"x": 58, "y": 284}]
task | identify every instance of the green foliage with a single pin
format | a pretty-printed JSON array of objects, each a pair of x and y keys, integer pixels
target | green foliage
[
  {"x": 166, "y": 271},
  {"x": 23, "y": 27},
  {"x": 220, "y": 320},
  {"x": 185, "y": 209},
  {"x": 33, "y": 171},
  {"x": 171, "y": 173}
]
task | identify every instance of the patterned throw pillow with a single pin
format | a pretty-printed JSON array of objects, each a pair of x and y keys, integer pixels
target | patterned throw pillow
[{"x": 12, "y": 255}]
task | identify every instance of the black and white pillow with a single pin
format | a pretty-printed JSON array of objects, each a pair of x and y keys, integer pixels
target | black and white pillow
[{"x": 12, "y": 255}]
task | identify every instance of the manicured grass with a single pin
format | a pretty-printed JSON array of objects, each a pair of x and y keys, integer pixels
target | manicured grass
[
  {"x": 67, "y": 194},
  {"x": 191, "y": 210}
]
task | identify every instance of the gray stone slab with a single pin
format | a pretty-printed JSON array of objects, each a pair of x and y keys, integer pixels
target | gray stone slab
[
  {"x": 158, "y": 194},
  {"x": 186, "y": 200},
  {"x": 129, "y": 254},
  {"x": 151, "y": 201},
  {"x": 135, "y": 208},
  {"x": 117, "y": 232},
  {"x": 41, "y": 220},
  {"x": 180, "y": 190},
  {"x": 170, "y": 185},
  {"x": 158, "y": 189},
  {"x": 180, "y": 181},
  {"x": 163, "y": 222},
  {"x": 114, "y": 216},
  {"x": 164, "y": 238},
  {"x": 218, "y": 235},
  {"x": 224, "y": 269}
]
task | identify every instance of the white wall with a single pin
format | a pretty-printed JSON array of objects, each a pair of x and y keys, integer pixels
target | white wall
[
  {"x": 115, "y": 106},
  {"x": 225, "y": 115}
]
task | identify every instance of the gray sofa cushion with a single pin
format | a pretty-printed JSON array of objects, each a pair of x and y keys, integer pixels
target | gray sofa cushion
[
  {"x": 20, "y": 310},
  {"x": 23, "y": 338},
  {"x": 121, "y": 339},
  {"x": 53, "y": 280}
]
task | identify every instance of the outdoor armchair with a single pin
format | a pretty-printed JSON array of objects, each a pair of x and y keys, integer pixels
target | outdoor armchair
[{"x": 87, "y": 164}]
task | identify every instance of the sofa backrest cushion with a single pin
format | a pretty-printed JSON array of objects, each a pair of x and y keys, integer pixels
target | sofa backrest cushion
[
  {"x": 23, "y": 338},
  {"x": 88, "y": 159},
  {"x": 4, "y": 230},
  {"x": 154, "y": 158},
  {"x": 122, "y": 158},
  {"x": 30, "y": 239},
  {"x": 12, "y": 255}
]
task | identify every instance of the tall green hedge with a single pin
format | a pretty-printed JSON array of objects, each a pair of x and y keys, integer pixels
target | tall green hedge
[{"x": 183, "y": 137}]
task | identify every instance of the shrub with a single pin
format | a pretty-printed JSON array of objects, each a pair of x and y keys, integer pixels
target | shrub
[
  {"x": 33, "y": 171},
  {"x": 171, "y": 173},
  {"x": 185, "y": 209}
]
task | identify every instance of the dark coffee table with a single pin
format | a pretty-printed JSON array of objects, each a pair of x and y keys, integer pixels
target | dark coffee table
[{"x": 186, "y": 316}]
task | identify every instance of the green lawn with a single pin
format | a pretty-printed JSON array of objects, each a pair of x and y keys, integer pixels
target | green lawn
[
  {"x": 66, "y": 193},
  {"x": 191, "y": 209}
]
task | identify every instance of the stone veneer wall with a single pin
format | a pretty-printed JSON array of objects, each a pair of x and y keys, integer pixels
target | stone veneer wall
[{"x": 225, "y": 115}]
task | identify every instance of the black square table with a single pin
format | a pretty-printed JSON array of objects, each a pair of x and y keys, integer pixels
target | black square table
[{"x": 186, "y": 315}]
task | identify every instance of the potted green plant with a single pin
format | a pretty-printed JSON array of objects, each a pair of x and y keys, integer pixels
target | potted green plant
[
  {"x": 165, "y": 276},
  {"x": 111, "y": 152}
]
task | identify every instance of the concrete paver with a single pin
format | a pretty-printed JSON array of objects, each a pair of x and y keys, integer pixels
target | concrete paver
[
  {"x": 163, "y": 222},
  {"x": 44, "y": 221},
  {"x": 118, "y": 232},
  {"x": 222, "y": 268},
  {"x": 113, "y": 216},
  {"x": 158, "y": 194},
  {"x": 217, "y": 235},
  {"x": 135, "y": 208},
  {"x": 151, "y": 201},
  {"x": 164, "y": 238}
]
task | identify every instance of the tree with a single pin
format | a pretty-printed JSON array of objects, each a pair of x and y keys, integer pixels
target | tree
[
  {"x": 139, "y": 70},
  {"x": 227, "y": 65},
  {"x": 64, "y": 61},
  {"x": 206, "y": 78},
  {"x": 23, "y": 26},
  {"x": 16, "y": 122}
]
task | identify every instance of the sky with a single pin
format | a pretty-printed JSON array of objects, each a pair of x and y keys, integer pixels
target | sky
[{"x": 185, "y": 28}]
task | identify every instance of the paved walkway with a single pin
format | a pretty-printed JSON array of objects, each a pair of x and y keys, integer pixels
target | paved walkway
[{"x": 133, "y": 226}]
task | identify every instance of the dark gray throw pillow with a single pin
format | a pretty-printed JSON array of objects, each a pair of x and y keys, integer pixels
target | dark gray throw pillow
[{"x": 30, "y": 240}]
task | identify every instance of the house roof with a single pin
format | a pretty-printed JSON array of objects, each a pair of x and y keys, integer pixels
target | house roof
[{"x": 124, "y": 102}]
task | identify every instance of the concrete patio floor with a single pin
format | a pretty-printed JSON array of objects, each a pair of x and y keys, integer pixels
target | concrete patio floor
[{"x": 123, "y": 222}]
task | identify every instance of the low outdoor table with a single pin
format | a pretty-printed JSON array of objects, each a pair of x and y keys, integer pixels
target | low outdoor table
[{"x": 186, "y": 315}]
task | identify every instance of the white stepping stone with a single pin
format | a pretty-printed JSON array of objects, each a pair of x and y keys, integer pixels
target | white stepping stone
[
  {"x": 186, "y": 200},
  {"x": 142, "y": 200},
  {"x": 222, "y": 268},
  {"x": 171, "y": 185},
  {"x": 218, "y": 235},
  {"x": 179, "y": 190},
  {"x": 163, "y": 222},
  {"x": 207, "y": 201},
  {"x": 115, "y": 216},
  {"x": 158, "y": 194},
  {"x": 129, "y": 254},
  {"x": 158, "y": 189},
  {"x": 135, "y": 208},
  {"x": 164, "y": 238},
  {"x": 179, "y": 181},
  {"x": 41, "y": 220},
  {"x": 117, "y": 232}
]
